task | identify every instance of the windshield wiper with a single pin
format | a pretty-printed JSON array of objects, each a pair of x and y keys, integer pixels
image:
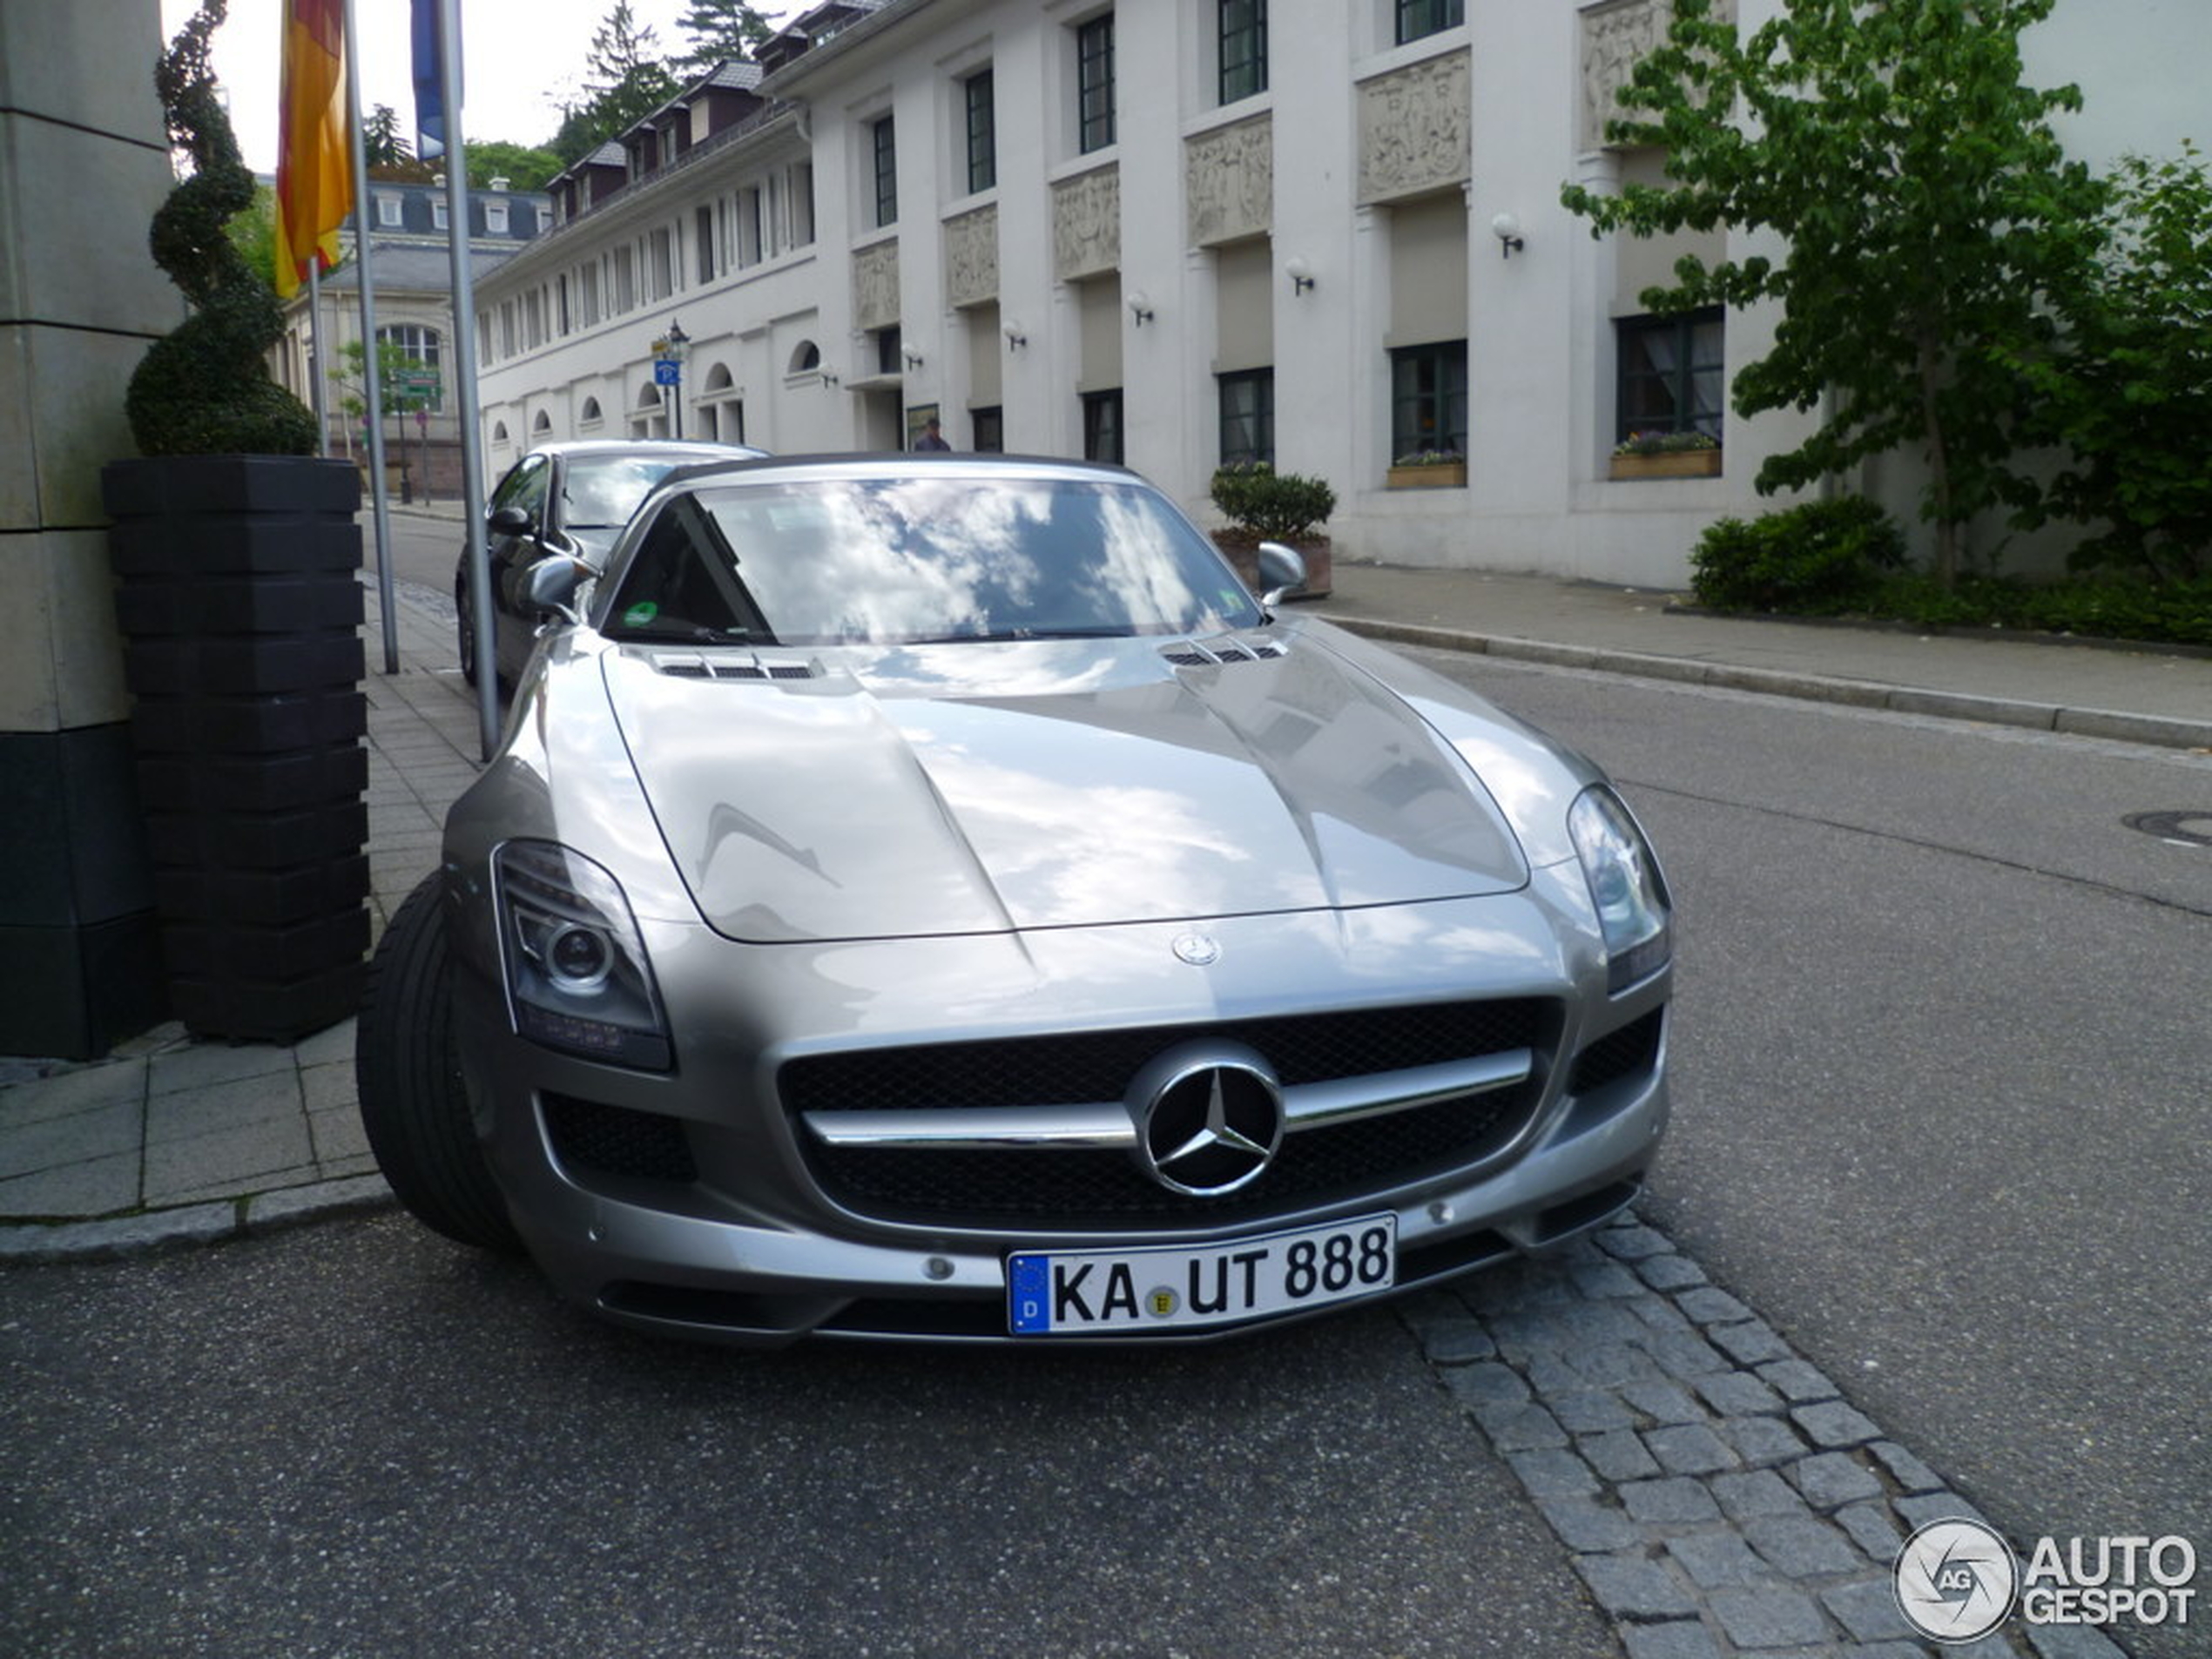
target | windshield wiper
[{"x": 1007, "y": 636}]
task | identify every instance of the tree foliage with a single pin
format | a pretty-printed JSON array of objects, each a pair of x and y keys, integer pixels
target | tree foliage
[
  {"x": 523, "y": 166},
  {"x": 2130, "y": 395},
  {"x": 204, "y": 389},
  {"x": 383, "y": 140},
  {"x": 626, "y": 81},
  {"x": 1933, "y": 229},
  {"x": 350, "y": 374},
  {"x": 714, "y": 29}
]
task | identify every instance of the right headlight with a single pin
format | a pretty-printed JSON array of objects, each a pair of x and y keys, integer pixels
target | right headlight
[
  {"x": 1633, "y": 910},
  {"x": 576, "y": 975}
]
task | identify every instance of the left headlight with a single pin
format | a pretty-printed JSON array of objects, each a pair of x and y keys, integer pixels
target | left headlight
[
  {"x": 576, "y": 975},
  {"x": 1633, "y": 910}
]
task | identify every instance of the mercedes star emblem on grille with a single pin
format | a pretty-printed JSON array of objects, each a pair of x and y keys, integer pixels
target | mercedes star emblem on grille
[
  {"x": 1197, "y": 949},
  {"x": 1209, "y": 1118}
]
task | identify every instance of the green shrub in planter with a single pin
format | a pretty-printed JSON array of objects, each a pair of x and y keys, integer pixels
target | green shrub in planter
[
  {"x": 1820, "y": 557},
  {"x": 204, "y": 389},
  {"x": 1272, "y": 506}
]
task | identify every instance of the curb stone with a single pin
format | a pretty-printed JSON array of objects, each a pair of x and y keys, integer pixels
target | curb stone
[
  {"x": 1719, "y": 1498},
  {"x": 152, "y": 1230}
]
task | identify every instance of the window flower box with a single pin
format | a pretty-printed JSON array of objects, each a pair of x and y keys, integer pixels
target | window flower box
[
  {"x": 1666, "y": 454},
  {"x": 1427, "y": 472}
]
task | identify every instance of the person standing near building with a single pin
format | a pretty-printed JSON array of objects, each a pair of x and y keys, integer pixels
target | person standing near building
[{"x": 932, "y": 436}]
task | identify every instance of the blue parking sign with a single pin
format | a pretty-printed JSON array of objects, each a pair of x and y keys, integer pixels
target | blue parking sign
[{"x": 667, "y": 372}]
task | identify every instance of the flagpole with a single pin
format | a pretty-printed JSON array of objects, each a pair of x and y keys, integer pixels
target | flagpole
[
  {"x": 464, "y": 376},
  {"x": 372, "y": 378},
  {"x": 314, "y": 357}
]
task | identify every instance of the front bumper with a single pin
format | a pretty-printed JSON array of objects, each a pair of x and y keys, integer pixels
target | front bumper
[{"x": 752, "y": 1250}]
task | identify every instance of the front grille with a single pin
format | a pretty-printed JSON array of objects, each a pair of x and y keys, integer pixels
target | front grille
[
  {"x": 1078, "y": 1187},
  {"x": 589, "y": 1138}
]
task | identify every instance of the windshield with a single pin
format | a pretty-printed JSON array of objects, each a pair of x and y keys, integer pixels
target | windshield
[
  {"x": 601, "y": 492},
  {"x": 911, "y": 561}
]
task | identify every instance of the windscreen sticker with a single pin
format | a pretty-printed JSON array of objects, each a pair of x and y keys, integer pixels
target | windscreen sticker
[{"x": 639, "y": 614}]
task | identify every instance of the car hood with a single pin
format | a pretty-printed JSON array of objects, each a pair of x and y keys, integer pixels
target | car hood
[{"x": 973, "y": 788}]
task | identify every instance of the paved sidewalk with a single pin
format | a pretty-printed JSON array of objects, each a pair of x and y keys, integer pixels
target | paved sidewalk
[{"x": 171, "y": 1141}]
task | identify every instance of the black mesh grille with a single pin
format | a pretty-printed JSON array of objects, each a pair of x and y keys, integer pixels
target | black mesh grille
[
  {"x": 612, "y": 1140},
  {"x": 1074, "y": 1188},
  {"x": 1081, "y": 1068},
  {"x": 1633, "y": 1049}
]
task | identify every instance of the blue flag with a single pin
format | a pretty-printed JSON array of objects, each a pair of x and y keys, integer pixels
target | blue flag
[{"x": 429, "y": 83}]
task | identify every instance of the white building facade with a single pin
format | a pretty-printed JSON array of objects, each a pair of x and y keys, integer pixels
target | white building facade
[{"x": 1173, "y": 232}]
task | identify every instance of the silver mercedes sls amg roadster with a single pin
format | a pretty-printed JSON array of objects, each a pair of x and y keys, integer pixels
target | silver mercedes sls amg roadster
[{"x": 932, "y": 897}]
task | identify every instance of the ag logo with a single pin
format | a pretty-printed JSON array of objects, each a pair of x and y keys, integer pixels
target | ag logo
[{"x": 1956, "y": 1581}]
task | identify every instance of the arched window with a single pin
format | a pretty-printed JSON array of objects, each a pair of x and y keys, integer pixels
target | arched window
[
  {"x": 543, "y": 426},
  {"x": 591, "y": 416},
  {"x": 807, "y": 359},
  {"x": 499, "y": 431}
]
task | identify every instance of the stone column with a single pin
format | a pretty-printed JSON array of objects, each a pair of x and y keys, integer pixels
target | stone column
[{"x": 83, "y": 147}]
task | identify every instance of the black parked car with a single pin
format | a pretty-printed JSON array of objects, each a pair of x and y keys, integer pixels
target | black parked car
[{"x": 570, "y": 499}]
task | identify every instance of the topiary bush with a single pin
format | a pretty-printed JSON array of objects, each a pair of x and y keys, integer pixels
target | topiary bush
[
  {"x": 1817, "y": 558},
  {"x": 1272, "y": 506},
  {"x": 205, "y": 387}
]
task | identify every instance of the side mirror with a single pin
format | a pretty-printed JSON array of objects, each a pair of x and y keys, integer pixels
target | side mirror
[
  {"x": 551, "y": 584},
  {"x": 1282, "y": 571},
  {"x": 510, "y": 521}
]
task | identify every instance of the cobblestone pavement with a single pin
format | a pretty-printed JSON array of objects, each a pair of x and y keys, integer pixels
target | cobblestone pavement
[{"x": 1719, "y": 1494}]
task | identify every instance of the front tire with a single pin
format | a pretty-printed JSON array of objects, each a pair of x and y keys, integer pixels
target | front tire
[{"x": 406, "y": 1065}]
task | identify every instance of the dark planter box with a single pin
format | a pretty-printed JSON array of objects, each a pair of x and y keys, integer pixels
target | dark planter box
[{"x": 239, "y": 607}]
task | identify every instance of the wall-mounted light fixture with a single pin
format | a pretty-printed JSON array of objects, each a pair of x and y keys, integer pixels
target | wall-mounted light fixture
[
  {"x": 1140, "y": 306},
  {"x": 1015, "y": 337},
  {"x": 912, "y": 357},
  {"x": 1301, "y": 276},
  {"x": 829, "y": 377},
  {"x": 1506, "y": 229}
]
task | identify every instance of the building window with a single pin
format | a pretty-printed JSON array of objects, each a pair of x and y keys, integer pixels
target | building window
[
  {"x": 495, "y": 218},
  {"x": 887, "y": 358},
  {"x": 703, "y": 236},
  {"x": 438, "y": 220},
  {"x": 1428, "y": 400},
  {"x": 884, "y": 144},
  {"x": 1095, "y": 83},
  {"x": 983, "y": 133},
  {"x": 387, "y": 212},
  {"x": 988, "y": 427},
  {"x": 1247, "y": 417},
  {"x": 1243, "y": 34},
  {"x": 420, "y": 347},
  {"x": 1419, "y": 18},
  {"x": 1671, "y": 374},
  {"x": 1102, "y": 426},
  {"x": 661, "y": 268}
]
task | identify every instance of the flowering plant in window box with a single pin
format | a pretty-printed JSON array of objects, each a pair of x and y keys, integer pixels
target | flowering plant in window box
[
  {"x": 1667, "y": 455},
  {"x": 1428, "y": 469}
]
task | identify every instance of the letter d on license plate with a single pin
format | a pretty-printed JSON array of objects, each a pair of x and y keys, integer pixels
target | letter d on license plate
[{"x": 1133, "y": 1292}]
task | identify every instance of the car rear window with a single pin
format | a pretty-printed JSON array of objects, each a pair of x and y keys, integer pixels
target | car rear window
[{"x": 931, "y": 559}]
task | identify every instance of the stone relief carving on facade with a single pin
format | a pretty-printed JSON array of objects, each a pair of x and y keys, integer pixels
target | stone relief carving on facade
[
  {"x": 1229, "y": 182},
  {"x": 1087, "y": 225},
  {"x": 1615, "y": 38},
  {"x": 972, "y": 257},
  {"x": 876, "y": 285},
  {"x": 1413, "y": 129}
]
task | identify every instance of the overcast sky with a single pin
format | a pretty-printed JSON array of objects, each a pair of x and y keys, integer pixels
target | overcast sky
[{"x": 522, "y": 59}]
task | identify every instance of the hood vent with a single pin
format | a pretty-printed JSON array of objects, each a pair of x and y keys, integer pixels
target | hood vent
[
  {"x": 692, "y": 666},
  {"x": 1190, "y": 653}
]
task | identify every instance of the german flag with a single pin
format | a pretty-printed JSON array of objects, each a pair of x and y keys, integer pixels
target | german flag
[{"x": 314, "y": 189}]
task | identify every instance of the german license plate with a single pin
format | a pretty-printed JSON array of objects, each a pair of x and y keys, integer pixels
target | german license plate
[{"x": 1124, "y": 1292}]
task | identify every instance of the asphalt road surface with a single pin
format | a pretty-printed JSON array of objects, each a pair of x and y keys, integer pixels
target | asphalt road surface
[
  {"x": 359, "y": 1439},
  {"x": 1942, "y": 1076}
]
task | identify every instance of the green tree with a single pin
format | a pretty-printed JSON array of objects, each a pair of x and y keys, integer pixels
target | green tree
[
  {"x": 383, "y": 142},
  {"x": 625, "y": 81},
  {"x": 715, "y": 30},
  {"x": 523, "y": 166},
  {"x": 1932, "y": 222},
  {"x": 2129, "y": 395},
  {"x": 350, "y": 374}
]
